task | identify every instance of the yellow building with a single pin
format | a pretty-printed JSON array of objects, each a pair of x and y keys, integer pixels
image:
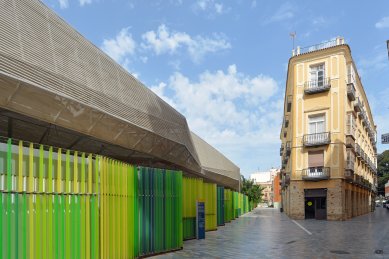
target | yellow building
[{"x": 328, "y": 136}]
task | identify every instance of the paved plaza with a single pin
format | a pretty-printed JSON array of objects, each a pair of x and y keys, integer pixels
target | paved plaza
[{"x": 267, "y": 233}]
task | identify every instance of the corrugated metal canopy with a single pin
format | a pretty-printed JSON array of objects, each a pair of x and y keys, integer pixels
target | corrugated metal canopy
[
  {"x": 215, "y": 165},
  {"x": 52, "y": 74}
]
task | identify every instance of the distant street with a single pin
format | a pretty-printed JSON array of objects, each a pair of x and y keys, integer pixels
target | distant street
[{"x": 267, "y": 233}]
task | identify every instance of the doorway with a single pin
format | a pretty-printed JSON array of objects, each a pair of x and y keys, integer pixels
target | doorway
[{"x": 316, "y": 204}]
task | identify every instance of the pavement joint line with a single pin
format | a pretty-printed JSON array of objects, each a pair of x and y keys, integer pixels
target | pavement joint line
[{"x": 303, "y": 228}]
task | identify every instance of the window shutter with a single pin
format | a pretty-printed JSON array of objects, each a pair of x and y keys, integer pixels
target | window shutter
[{"x": 316, "y": 158}]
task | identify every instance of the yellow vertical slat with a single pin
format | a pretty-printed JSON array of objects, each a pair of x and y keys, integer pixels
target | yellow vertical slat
[
  {"x": 59, "y": 171},
  {"x": 83, "y": 184},
  {"x": 20, "y": 173},
  {"x": 90, "y": 168},
  {"x": 88, "y": 215},
  {"x": 31, "y": 213},
  {"x": 75, "y": 173}
]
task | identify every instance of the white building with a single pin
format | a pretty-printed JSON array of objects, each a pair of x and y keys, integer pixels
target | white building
[{"x": 265, "y": 179}]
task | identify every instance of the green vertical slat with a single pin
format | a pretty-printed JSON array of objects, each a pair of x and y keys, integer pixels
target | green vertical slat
[
  {"x": 8, "y": 213},
  {"x": 49, "y": 200},
  {"x": 55, "y": 227},
  {"x": 2, "y": 225},
  {"x": 14, "y": 226},
  {"x": 22, "y": 226}
]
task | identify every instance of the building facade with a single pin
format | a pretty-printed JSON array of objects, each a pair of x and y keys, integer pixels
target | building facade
[
  {"x": 269, "y": 181},
  {"x": 328, "y": 135}
]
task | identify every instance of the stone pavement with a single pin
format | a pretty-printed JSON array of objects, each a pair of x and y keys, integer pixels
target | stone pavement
[{"x": 267, "y": 233}]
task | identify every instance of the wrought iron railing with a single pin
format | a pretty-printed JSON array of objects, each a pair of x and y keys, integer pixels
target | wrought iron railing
[
  {"x": 351, "y": 92},
  {"x": 316, "y": 173},
  {"x": 316, "y": 86},
  {"x": 350, "y": 163},
  {"x": 357, "y": 105},
  {"x": 349, "y": 175},
  {"x": 323, "y": 45},
  {"x": 316, "y": 139}
]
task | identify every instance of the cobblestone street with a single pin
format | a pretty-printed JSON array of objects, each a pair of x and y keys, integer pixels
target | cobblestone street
[{"x": 267, "y": 233}]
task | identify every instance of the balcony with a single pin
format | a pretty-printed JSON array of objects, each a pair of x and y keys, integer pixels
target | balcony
[
  {"x": 350, "y": 164},
  {"x": 358, "y": 150},
  {"x": 282, "y": 149},
  {"x": 317, "y": 86},
  {"x": 288, "y": 148},
  {"x": 317, "y": 139},
  {"x": 350, "y": 130},
  {"x": 316, "y": 173},
  {"x": 349, "y": 175},
  {"x": 357, "y": 105},
  {"x": 289, "y": 103},
  {"x": 285, "y": 181},
  {"x": 351, "y": 87},
  {"x": 358, "y": 179},
  {"x": 323, "y": 45}
]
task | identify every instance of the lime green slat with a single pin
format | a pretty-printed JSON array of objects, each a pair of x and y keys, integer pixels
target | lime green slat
[
  {"x": 49, "y": 200},
  {"x": 9, "y": 165},
  {"x": 2, "y": 225}
]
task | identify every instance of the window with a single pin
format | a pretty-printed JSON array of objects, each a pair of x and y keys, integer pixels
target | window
[
  {"x": 316, "y": 158},
  {"x": 316, "y": 124},
  {"x": 317, "y": 75}
]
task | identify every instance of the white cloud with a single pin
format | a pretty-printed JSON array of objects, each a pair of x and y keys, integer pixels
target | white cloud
[
  {"x": 120, "y": 47},
  {"x": 383, "y": 23},
  {"x": 164, "y": 41},
  {"x": 63, "y": 4},
  {"x": 219, "y": 8},
  {"x": 236, "y": 113},
  {"x": 285, "y": 12},
  {"x": 85, "y": 2},
  {"x": 209, "y": 6}
]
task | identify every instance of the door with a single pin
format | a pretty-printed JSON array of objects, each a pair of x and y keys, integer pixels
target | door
[
  {"x": 321, "y": 208},
  {"x": 309, "y": 208}
]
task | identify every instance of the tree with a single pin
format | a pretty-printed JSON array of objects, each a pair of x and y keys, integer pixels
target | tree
[
  {"x": 383, "y": 171},
  {"x": 253, "y": 191}
]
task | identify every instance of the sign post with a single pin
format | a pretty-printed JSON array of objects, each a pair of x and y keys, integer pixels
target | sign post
[{"x": 200, "y": 219}]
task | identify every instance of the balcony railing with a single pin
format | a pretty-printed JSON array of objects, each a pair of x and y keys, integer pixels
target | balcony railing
[
  {"x": 285, "y": 180},
  {"x": 317, "y": 86},
  {"x": 319, "y": 46},
  {"x": 316, "y": 173},
  {"x": 317, "y": 139},
  {"x": 351, "y": 88},
  {"x": 349, "y": 175},
  {"x": 288, "y": 147},
  {"x": 357, "y": 105},
  {"x": 350, "y": 130},
  {"x": 358, "y": 150},
  {"x": 350, "y": 164}
]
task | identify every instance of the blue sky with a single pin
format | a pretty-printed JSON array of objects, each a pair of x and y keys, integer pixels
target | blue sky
[{"x": 223, "y": 63}]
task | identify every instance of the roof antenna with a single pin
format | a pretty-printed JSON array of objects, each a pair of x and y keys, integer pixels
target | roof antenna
[{"x": 293, "y": 36}]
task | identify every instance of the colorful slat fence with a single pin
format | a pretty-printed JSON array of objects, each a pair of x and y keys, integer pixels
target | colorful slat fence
[
  {"x": 48, "y": 203},
  {"x": 192, "y": 191},
  {"x": 66, "y": 204},
  {"x": 228, "y": 205},
  {"x": 159, "y": 210},
  {"x": 220, "y": 205},
  {"x": 118, "y": 228},
  {"x": 210, "y": 198}
]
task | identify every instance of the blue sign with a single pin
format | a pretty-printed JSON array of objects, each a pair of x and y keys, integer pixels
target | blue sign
[{"x": 200, "y": 220}]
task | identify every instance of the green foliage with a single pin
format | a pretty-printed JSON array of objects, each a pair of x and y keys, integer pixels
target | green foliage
[
  {"x": 253, "y": 191},
  {"x": 383, "y": 171}
]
